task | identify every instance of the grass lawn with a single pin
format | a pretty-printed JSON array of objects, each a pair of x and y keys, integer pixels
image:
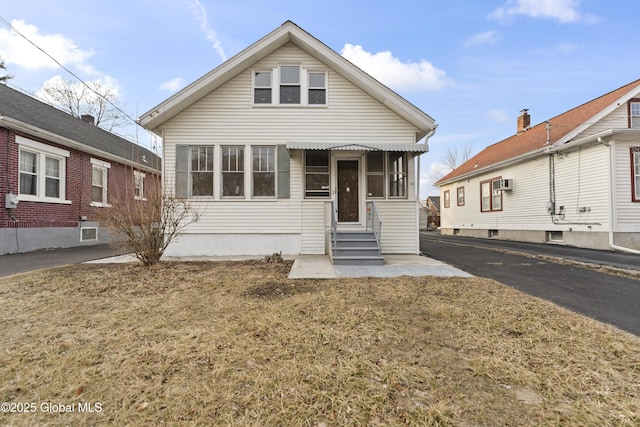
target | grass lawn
[{"x": 240, "y": 344}]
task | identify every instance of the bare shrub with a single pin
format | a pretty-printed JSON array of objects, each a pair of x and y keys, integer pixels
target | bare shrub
[{"x": 148, "y": 226}]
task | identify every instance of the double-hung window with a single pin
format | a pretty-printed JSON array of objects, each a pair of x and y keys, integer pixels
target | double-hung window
[
  {"x": 264, "y": 171},
  {"x": 290, "y": 84},
  {"x": 490, "y": 199},
  {"x": 138, "y": 184},
  {"x": 316, "y": 171},
  {"x": 262, "y": 87},
  {"x": 317, "y": 88},
  {"x": 375, "y": 174},
  {"x": 447, "y": 199},
  {"x": 635, "y": 174},
  {"x": 201, "y": 171},
  {"x": 232, "y": 171},
  {"x": 99, "y": 182},
  {"x": 634, "y": 114},
  {"x": 460, "y": 191},
  {"x": 41, "y": 175},
  {"x": 397, "y": 174}
]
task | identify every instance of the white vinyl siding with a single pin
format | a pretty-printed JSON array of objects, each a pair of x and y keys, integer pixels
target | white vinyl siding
[
  {"x": 399, "y": 226},
  {"x": 229, "y": 117},
  {"x": 581, "y": 181},
  {"x": 626, "y": 211}
]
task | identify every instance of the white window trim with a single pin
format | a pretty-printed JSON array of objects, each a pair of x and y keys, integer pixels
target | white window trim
[
  {"x": 304, "y": 86},
  {"x": 275, "y": 173},
  {"x": 43, "y": 151},
  {"x": 142, "y": 176},
  {"x": 105, "y": 166},
  {"x": 244, "y": 164}
]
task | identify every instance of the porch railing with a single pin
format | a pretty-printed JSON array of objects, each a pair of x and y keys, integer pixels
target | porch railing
[
  {"x": 373, "y": 222},
  {"x": 334, "y": 228}
]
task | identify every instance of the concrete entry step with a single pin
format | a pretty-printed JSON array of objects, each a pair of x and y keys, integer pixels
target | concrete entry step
[{"x": 356, "y": 248}]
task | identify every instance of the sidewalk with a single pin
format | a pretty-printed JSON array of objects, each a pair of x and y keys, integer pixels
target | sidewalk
[{"x": 304, "y": 266}]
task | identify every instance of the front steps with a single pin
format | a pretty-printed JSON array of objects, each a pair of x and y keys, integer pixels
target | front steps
[{"x": 356, "y": 248}]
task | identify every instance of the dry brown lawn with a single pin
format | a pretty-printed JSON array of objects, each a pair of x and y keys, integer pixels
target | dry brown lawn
[{"x": 240, "y": 344}]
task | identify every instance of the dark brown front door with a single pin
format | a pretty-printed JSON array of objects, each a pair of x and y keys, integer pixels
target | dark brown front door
[{"x": 348, "y": 191}]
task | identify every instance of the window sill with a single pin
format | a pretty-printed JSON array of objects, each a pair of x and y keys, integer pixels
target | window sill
[
  {"x": 100, "y": 205},
  {"x": 29, "y": 198},
  {"x": 290, "y": 105}
]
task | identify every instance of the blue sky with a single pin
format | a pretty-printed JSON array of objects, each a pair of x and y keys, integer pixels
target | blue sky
[{"x": 472, "y": 65}]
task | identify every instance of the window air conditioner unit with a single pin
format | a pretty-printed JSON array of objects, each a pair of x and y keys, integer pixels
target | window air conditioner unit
[{"x": 502, "y": 184}]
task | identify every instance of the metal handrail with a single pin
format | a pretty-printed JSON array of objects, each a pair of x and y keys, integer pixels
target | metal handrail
[
  {"x": 374, "y": 223},
  {"x": 334, "y": 227}
]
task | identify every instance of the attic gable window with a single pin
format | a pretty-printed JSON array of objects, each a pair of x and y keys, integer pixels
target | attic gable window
[
  {"x": 634, "y": 114},
  {"x": 289, "y": 85},
  {"x": 262, "y": 87}
]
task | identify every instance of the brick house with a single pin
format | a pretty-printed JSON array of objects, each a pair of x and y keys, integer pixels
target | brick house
[{"x": 57, "y": 172}]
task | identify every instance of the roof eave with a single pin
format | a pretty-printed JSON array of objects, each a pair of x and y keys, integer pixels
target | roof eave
[
  {"x": 289, "y": 31},
  {"x": 69, "y": 143}
]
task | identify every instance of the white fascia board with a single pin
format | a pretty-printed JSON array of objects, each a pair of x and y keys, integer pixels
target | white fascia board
[
  {"x": 265, "y": 46},
  {"x": 172, "y": 106},
  {"x": 602, "y": 114}
]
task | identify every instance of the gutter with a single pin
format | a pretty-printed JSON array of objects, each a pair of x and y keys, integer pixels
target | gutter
[{"x": 24, "y": 127}]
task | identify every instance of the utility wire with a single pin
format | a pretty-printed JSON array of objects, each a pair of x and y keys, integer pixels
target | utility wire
[{"x": 12, "y": 28}]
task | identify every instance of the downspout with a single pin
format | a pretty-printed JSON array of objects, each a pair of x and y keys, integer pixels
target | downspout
[
  {"x": 426, "y": 140},
  {"x": 612, "y": 199}
]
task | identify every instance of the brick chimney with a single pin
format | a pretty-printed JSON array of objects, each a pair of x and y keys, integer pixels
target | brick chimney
[
  {"x": 88, "y": 118},
  {"x": 524, "y": 121}
]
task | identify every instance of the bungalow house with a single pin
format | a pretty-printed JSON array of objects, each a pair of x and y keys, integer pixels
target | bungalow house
[
  {"x": 572, "y": 179},
  {"x": 58, "y": 171},
  {"x": 288, "y": 147}
]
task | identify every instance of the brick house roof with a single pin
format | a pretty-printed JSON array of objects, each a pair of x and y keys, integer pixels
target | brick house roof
[
  {"x": 535, "y": 138},
  {"x": 30, "y": 115}
]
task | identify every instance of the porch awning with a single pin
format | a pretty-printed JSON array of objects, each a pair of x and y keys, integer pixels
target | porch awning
[{"x": 351, "y": 146}]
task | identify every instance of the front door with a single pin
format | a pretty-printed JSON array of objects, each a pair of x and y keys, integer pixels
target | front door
[{"x": 348, "y": 191}]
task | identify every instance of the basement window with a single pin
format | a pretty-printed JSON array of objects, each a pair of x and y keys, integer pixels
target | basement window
[
  {"x": 554, "y": 236},
  {"x": 88, "y": 234}
]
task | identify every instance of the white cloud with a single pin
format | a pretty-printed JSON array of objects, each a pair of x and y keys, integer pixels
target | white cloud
[
  {"x": 401, "y": 76},
  {"x": 432, "y": 173},
  {"x": 200, "y": 13},
  {"x": 565, "y": 11},
  {"x": 498, "y": 116},
  {"x": 488, "y": 37},
  {"x": 14, "y": 49},
  {"x": 79, "y": 88},
  {"x": 173, "y": 86}
]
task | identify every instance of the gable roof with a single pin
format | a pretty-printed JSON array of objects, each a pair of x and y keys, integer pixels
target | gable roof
[
  {"x": 287, "y": 32},
  {"x": 435, "y": 200},
  {"x": 24, "y": 113},
  {"x": 533, "y": 141}
]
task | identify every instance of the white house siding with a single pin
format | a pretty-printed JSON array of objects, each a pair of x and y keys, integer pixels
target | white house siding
[
  {"x": 627, "y": 212},
  {"x": 227, "y": 117},
  {"x": 399, "y": 226},
  {"x": 581, "y": 181},
  {"x": 617, "y": 119}
]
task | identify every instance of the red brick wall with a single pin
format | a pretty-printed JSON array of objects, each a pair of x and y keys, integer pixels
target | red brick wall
[{"x": 77, "y": 187}]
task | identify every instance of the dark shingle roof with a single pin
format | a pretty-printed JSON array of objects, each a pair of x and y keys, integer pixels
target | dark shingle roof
[{"x": 28, "y": 110}]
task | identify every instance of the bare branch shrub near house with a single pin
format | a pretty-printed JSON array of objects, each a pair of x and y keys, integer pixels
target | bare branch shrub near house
[{"x": 147, "y": 226}]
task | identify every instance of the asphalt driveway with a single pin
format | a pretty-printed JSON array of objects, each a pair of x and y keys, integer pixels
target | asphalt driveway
[
  {"x": 538, "y": 270},
  {"x": 47, "y": 258}
]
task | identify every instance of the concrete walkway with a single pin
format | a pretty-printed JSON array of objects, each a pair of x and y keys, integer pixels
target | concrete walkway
[{"x": 320, "y": 267}]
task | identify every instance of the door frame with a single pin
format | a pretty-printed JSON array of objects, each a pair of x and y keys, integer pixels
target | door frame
[{"x": 357, "y": 157}]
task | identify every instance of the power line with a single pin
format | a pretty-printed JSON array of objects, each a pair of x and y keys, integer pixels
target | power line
[{"x": 12, "y": 28}]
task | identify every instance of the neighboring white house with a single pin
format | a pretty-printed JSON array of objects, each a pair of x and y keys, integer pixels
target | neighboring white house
[
  {"x": 275, "y": 140},
  {"x": 573, "y": 179}
]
